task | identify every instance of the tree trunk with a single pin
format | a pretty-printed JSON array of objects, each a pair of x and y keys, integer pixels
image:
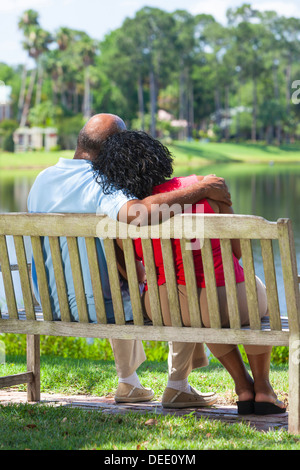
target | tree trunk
[
  {"x": 28, "y": 98},
  {"x": 87, "y": 94},
  {"x": 254, "y": 111},
  {"x": 22, "y": 92},
  {"x": 152, "y": 102},
  {"x": 288, "y": 93},
  {"x": 227, "y": 113},
  {"x": 38, "y": 95},
  {"x": 191, "y": 120},
  {"x": 141, "y": 103}
]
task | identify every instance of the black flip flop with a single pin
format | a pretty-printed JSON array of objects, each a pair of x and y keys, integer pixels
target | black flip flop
[
  {"x": 245, "y": 407},
  {"x": 266, "y": 408}
]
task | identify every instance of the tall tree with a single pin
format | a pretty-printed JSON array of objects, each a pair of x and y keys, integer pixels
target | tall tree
[{"x": 36, "y": 42}]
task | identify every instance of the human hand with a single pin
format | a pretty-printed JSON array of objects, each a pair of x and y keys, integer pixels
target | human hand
[{"x": 217, "y": 189}]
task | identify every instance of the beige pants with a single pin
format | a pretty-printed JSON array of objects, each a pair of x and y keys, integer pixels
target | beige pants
[
  {"x": 185, "y": 357},
  {"x": 182, "y": 358}
]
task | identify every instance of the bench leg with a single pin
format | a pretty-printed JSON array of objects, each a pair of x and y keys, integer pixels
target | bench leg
[
  {"x": 33, "y": 365},
  {"x": 294, "y": 384}
]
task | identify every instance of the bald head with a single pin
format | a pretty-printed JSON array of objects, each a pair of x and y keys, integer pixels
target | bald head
[{"x": 95, "y": 131}]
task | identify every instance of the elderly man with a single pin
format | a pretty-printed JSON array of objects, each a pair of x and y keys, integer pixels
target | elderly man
[{"x": 70, "y": 187}]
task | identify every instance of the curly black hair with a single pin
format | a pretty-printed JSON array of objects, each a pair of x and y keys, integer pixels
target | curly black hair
[{"x": 134, "y": 162}]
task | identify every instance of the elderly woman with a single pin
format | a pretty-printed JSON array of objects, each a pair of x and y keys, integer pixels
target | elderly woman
[{"x": 139, "y": 165}]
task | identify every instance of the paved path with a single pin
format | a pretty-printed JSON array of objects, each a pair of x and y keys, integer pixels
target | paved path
[{"x": 222, "y": 412}]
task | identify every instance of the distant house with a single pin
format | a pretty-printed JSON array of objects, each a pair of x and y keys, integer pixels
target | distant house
[
  {"x": 5, "y": 102},
  {"x": 35, "y": 138}
]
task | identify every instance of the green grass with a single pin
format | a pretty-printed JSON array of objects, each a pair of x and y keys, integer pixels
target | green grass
[
  {"x": 231, "y": 152},
  {"x": 187, "y": 154},
  {"x": 25, "y": 426}
]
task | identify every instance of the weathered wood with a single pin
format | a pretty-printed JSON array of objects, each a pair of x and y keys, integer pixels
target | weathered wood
[
  {"x": 33, "y": 367},
  {"x": 230, "y": 284},
  {"x": 174, "y": 307},
  {"x": 133, "y": 283},
  {"x": 191, "y": 285},
  {"x": 114, "y": 281},
  {"x": 250, "y": 283},
  {"x": 289, "y": 271},
  {"x": 24, "y": 277},
  {"x": 77, "y": 279},
  {"x": 96, "y": 279},
  {"x": 86, "y": 225},
  {"x": 149, "y": 332},
  {"x": 271, "y": 284},
  {"x": 16, "y": 379},
  {"x": 152, "y": 283},
  {"x": 60, "y": 281},
  {"x": 210, "y": 285},
  {"x": 7, "y": 279},
  {"x": 41, "y": 277},
  {"x": 294, "y": 383}
]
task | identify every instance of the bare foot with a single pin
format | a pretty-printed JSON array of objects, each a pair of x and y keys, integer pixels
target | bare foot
[{"x": 265, "y": 393}]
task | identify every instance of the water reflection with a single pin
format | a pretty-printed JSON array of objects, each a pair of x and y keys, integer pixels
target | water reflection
[{"x": 271, "y": 192}]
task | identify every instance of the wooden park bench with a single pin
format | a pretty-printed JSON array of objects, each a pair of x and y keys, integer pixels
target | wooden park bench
[{"x": 34, "y": 321}]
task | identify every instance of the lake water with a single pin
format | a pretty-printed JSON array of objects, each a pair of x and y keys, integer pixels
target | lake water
[{"x": 269, "y": 191}]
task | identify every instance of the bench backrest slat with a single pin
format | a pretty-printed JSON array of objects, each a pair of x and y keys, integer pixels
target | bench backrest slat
[
  {"x": 230, "y": 284},
  {"x": 60, "y": 279},
  {"x": 250, "y": 283},
  {"x": 289, "y": 270},
  {"x": 271, "y": 284},
  {"x": 37, "y": 251},
  {"x": 114, "y": 280},
  {"x": 191, "y": 284},
  {"x": 152, "y": 282},
  {"x": 210, "y": 284},
  {"x": 77, "y": 279},
  {"x": 7, "y": 279},
  {"x": 24, "y": 277},
  {"x": 135, "y": 295},
  {"x": 96, "y": 279},
  {"x": 171, "y": 283}
]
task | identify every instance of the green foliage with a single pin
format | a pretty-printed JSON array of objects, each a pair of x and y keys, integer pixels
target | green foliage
[
  {"x": 78, "y": 348},
  {"x": 44, "y": 114},
  {"x": 68, "y": 129},
  {"x": 99, "y": 349},
  {"x": 190, "y": 65},
  {"x": 7, "y": 128}
]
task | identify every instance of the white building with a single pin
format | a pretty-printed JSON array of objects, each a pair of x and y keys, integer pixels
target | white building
[{"x": 35, "y": 138}]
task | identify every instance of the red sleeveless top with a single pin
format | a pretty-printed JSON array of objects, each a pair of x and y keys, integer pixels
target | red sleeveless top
[{"x": 203, "y": 207}]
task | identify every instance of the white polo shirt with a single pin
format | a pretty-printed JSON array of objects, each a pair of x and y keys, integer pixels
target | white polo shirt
[{"x": 70, "y": 187}]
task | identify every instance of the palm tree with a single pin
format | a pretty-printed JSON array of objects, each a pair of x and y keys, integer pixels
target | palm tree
[
  {"x": 36, "y": 42},
  {"x": 86, "y": 47}
]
